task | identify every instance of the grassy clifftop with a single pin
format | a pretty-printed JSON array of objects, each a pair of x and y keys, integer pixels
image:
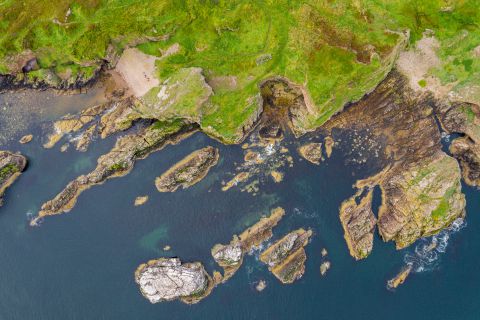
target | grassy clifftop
[{"x": 337, "y": 50}]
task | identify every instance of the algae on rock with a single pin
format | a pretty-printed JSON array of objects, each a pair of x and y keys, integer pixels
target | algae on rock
[
  {"x": 11, "y": 167},
  {"x": 188, "y": 171},
  {"x": 286, "y": 257}
]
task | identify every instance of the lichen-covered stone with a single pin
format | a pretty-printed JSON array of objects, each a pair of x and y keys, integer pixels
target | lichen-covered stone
[
  {"x": 168, "y": 279},
  {"x": 188, "y": 171}
]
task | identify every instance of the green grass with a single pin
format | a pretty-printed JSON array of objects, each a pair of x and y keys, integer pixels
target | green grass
[
  {"x": 444, "y": 206},
  {"x": 7, "y": 171},
  {"x": 324, "y": 45}
]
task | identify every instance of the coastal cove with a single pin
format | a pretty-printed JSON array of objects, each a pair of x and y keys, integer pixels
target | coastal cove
[{"x": 80, "y": 265}]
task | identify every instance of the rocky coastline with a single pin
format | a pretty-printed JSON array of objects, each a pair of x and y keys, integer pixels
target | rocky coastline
[
  {"x": 420, "y": 184},
  {"x": 11, "y": 167}
]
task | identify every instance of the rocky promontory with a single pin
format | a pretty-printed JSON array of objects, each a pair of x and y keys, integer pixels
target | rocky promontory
[
  {"x": 286, "y": 257},
  {"x": 420, "y": 184},
  {"x": 464, "y": 118},
  {"x": 358, "y": 222},
  {"x": 188, "y": 171},
  {"x": 168, "y": 279},
  {"x": 11, "y": 167}
]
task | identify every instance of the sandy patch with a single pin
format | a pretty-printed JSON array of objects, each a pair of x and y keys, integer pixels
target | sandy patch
[{"x": 138, "y": 70}]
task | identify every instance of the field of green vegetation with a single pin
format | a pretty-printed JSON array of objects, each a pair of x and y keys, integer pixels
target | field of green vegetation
[{"x": 338, "y": 50}]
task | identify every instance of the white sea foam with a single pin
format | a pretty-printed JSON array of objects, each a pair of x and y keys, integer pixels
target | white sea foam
[
  {"x": 305, "y": 213},
  {"x": 427, "y": 253}
]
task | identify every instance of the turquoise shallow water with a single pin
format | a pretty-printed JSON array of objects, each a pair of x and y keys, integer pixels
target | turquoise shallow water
[{"x": 80, "y": 265}]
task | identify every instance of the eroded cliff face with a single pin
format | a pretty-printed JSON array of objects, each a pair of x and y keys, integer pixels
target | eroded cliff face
[
  {"x": 11, "y": 167},
  {"x": 464, "y": 119},
  {"x": 420, "y": 184}
]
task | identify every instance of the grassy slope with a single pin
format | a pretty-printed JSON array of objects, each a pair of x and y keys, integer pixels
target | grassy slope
[{"x": 323, "y": 45}]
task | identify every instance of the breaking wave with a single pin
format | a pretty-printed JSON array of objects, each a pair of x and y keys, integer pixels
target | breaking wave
[{"x": 427, "y": 253}]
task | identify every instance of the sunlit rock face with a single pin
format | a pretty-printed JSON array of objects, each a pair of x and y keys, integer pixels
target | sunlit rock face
[
  {"x": 170, "y": 279},
  {"x": 420, "y": 184},
  {"x": 11, "y": 166}
]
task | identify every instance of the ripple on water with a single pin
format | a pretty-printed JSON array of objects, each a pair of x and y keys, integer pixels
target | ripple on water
[{"x": 427, "y": 253}]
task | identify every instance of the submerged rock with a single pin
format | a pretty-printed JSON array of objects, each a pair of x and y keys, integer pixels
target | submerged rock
[
  {"x": 188, "y": 171},
  {"x": 118, "y": 162},
  {"x": 11, "y": 167},
  {"x": 312, "y": 152},
  {"x": 358, "y": 222},
  {"x": 230, "y": 256},
  {"x": 286, "y": 257},
  {"x": 168, "y": 279},
  {"x": 242, "y": 176}
]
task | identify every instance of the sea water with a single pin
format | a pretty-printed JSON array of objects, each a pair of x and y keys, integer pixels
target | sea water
[{"x": 80, "y": 265}]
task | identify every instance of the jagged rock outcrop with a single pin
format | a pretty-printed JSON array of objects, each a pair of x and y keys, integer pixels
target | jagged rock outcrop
[
  {"x": 118, "y": 162},
  {"x": 188, "y": 171},
  {"x": 420, "y": 184},
  {"x": 312, "y": 152},
  {"x": 288, "y": 101},
  {"x": 464, "y": 118},
  {"x": 400, "y": 278},
  {"x": 358, "y": 222},
  {"x": 168, "y": 279},
  {"x": 230, "y": 256},
  {"x": 286, "y": 257},
  {"x": 11, "y": 167}
]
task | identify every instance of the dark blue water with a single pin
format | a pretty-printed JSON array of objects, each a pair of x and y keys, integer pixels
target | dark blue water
[{"x": 80, "y": 265}]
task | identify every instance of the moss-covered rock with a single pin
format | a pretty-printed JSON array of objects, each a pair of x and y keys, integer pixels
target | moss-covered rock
[
  {"x": 188, "y": 171},
  {"x": 286, "y": 257},
  {"x": 11, "y": 167}
]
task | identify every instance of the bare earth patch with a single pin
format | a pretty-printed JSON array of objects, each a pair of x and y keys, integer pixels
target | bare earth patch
[
  {"x": 138, "y": 71},
  {"x": 416, "y": 64}
]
